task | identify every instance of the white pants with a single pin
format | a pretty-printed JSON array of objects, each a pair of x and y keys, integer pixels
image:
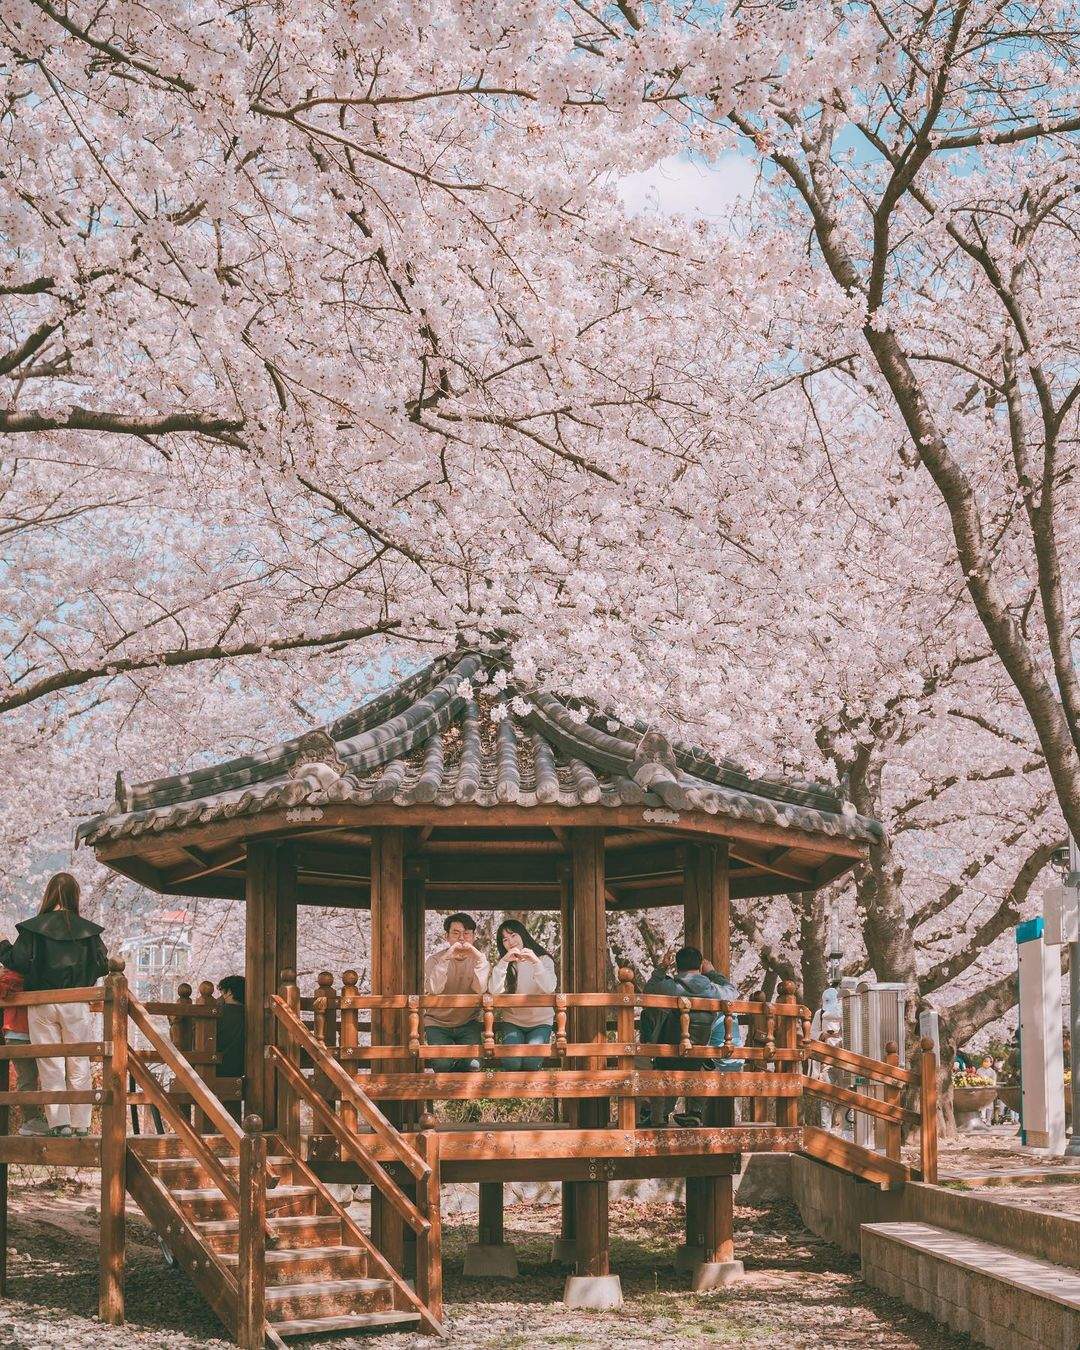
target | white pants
[{"x": 63, "y": 1023}]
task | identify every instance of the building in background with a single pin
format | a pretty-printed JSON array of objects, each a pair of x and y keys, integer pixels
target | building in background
[{"x": 157, "y": 960}]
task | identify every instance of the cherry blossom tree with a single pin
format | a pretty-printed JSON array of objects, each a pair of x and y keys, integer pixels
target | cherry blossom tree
[{"x": 927, "y": 164}]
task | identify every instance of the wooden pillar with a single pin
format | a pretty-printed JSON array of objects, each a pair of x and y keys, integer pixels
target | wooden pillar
[
  {"x": 270, "y": 948},
  {"x": 414, "y": 910},
  {"x": 706, "y": 912},
  {"x": 251, "y": 1261},
  {"x": 114, "y": 1077},
  {"x": 564, "y": 1247},
  {"x": 388, "y": 965},
  {"x": 590, "y": 975},
  {"x": 693, "y": 936},
  {"x": 491, "y": 1213}
]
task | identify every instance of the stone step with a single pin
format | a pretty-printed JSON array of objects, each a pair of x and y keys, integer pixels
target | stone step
[
  {"x": 998, "y": 1297},
  {"x": 328, "y": 1326}
]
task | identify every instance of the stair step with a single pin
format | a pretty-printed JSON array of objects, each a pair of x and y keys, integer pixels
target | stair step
[
  {"x": 189, "y": 1172},
  {"x": 297, "y": 1230},
  {"x": 329, "y": 1298},
  {"x": 209, "y": 1203},
  {"x": 325, "y": 1326},
  {"x": 287, "y": 1265},
  {"x": 988, "y": 1292}
]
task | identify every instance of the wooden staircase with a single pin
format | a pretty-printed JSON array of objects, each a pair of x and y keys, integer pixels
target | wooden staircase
[{"x": 322, "y": 1273}]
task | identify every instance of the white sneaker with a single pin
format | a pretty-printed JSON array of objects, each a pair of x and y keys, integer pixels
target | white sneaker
[{"x": 34, "y": 1127}]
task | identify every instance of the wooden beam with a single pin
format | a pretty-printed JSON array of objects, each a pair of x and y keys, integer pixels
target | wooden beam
[
  {"x": 554, "y": 1143},
  {"x": 567, "y": 1170},
  {"x": 760, "y": 858},
  {"x": 541, "y": 1084},
  {"x": 690, "y": 824},
  {"x": 206, "y": 864}
]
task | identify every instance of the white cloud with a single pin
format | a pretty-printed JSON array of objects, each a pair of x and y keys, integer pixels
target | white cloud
[{"x": 679, "y": 185}]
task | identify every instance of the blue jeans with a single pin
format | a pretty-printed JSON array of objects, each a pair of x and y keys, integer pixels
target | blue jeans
[
  {"x": 512, "y": 1035},
  {"x": 466, "y": 1034}
]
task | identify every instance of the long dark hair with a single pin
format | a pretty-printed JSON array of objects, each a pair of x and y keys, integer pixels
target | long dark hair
[
  {"x": 61, "y": 892},
  {"x": 527, "y": 939}
]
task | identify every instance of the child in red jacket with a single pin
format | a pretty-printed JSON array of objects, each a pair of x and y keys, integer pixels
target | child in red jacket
[{"x": 16, "y": 1032}]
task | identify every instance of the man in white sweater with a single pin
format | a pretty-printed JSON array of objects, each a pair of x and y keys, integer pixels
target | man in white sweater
[{"x": 457, "y": 967}]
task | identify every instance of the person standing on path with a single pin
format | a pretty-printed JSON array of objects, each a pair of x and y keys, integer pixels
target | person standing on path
[{"x": 59, "y": 949}]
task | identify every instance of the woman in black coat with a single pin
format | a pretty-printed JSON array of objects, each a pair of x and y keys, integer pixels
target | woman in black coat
[{"x": 59, "y": 949}]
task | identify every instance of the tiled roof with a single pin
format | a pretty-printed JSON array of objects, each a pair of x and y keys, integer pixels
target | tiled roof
[{"x": 450, "y": 736}]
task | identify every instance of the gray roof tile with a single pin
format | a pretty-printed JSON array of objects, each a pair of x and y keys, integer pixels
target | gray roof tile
[{"x": 426, "y": 742}]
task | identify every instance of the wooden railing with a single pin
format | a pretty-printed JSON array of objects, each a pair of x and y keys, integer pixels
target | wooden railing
[
  {"x": 336, "y": 1024},
  {"x": 775, "y": 1065},
  {"x": 122, "y": 1055},
  {"x": 887, "y": 1110}
]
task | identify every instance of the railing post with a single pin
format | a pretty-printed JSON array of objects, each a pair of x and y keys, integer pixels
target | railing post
[
  {"x": 787, "y": 1108},
  {"x": 325, "y": 1005},
  {"x": 204, "y": 1042},
  {"x": 288, "y": 1106},
  {"x": 429, "y": 1244},
  {"x": 350, "y": 1039},
  {"x": 624, "y": 1021},
  {"x": 114, "y": 1078},
  {"x": 251, "y": 1267},
  {"x": 756, "y": 1036},
  {"x": 928, "y": 1101},
  {"x": 182, "y": 1033},
  {"x": 180, "y": 1025},
  {"x": 891, "y": 1096}
]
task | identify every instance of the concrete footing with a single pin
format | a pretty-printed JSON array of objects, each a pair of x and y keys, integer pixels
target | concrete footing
[
  {"x": 687, "y": 1258},
  {"x": 593, "y": 1293},
  {"x": 710, "y": 1275},
  {"x": 487, "y": 1261},
  {"x": 564, "y": 1251}
]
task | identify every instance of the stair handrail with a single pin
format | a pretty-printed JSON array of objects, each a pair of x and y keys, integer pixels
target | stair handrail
[
  {"x": 184, "y": 1131},
  {"x": 188, "y": 1081},
  {"x": 186, "y": 1078},
  {"x": 331, "y": 1069},
  {"x": 879, "y": 1071},
  {"x": 350, "y": 1142}
]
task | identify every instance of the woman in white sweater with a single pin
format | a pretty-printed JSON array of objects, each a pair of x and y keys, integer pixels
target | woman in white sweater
[{"x": 523, "y": 967}]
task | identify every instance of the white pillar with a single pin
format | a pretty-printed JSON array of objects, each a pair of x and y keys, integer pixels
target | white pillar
[{"x": 1042, "y": 1080}]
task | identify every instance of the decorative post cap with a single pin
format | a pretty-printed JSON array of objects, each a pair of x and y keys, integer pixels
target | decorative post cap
[
  {"x": 253, "y": 1124},
  {"x": 116, "y": 965}
]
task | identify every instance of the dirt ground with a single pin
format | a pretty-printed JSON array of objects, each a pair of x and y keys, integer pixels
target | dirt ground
[{"x": 799, "y": 1292}]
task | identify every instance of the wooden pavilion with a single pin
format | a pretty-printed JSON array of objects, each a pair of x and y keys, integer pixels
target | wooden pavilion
[{"x": 456, "y": 790}]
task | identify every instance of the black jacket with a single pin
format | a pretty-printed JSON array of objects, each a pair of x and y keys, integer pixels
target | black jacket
[
  {"x": 230, "y": 1041},
  {"x": 56, "y": 951}
]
